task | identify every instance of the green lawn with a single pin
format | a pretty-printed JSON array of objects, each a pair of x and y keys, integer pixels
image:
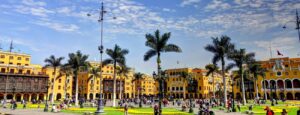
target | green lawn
[
  {"x": 291, "y": 106},
  {"x": 119, "y": 111}
]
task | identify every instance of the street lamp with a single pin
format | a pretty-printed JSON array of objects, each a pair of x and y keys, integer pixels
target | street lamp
[
  {"x": 100, "y": 48},
  {"x": 232, "y": 101},
  {"x": 46, "y": 104},
  {"x": 297, "y": 22}
]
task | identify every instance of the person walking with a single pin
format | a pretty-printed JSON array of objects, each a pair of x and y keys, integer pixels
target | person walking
[
  {"x": 269, "y": 111},
  {"x": 125, "y": 109}
]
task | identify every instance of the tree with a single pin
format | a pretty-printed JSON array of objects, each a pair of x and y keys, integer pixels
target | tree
[
  {"x": 240, "y": 58},
  {"x": 95, "y": 73},
  {"x": 77, "y": 62},
  {"x": 122, "y": 71},
  {"x": 55, "y": 63},
  {"x": 117, "y": 57},
  {"x": 211, "y": 69},
  {"x": 138, "y": 77},
  {"x": 159, "y": 44},
  {"x": 221, "y": 47}
]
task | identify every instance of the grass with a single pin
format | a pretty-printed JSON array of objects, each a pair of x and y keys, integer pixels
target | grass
[
  {"x": 133, "y": 111},
  {"x": 291, "y": 107}
]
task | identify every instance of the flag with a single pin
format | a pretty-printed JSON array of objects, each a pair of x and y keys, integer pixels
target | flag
[{"x": 278, "y": 53}]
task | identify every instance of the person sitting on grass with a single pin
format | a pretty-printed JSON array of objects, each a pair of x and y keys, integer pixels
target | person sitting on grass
[
  {"x": 269, "y": 111},
  {"x": 283, "y": 112}
]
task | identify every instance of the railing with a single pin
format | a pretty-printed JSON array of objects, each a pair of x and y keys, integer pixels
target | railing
[{"x": 286, "y": 89}]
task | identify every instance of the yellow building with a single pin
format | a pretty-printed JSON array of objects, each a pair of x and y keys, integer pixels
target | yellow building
[
  {"x": 202, "y": 87},
  {"x": 62, "y": 86},
  {"x": 19, "y": 79},
  {"x": 89, "y": 86},
  {"x": 282, "y": 79},
  {"x": 146, "y": 86}
]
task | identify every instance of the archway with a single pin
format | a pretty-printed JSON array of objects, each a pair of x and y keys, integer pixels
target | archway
[
  {"x": 289, "y": 96},
  {"x": 58, "y": 96},
  {"x": 1, "y": 96},
  {"x": 297, "y": 96},
  {"x": 91, "y": 96},
  {"x": 109, "y": 96},
  {"x": 41, "y": 96},
  {"x": 281, "y": 95},
  {"x": 296, "y": 83},
  {"x": 18, "y": 97},
  {"x": 33, "y": 97},
  {"x": 9, "y": 96},
  {"x": 266, "y": 84},
  {"x": 26, "y": 97},
  {"x": 288, "y": 83},
  {"x": 280, "y": 84}
]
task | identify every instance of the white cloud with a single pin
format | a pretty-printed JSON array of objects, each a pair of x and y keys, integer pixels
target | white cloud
[
  {"x": 168, "y": 10},
  {"x": 189, "y": 2},
  {"x": 33, "y": 3},
  {"x": 217, "y": 5},
  {"x": 36, "y": 11},
  {"x": 58, "y": 26}
]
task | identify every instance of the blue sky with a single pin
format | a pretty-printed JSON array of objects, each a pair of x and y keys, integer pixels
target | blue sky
[{"x": 58, "y": 27}]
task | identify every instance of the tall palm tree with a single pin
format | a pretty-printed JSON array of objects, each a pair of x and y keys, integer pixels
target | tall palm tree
[
  {"x": 159, "y": 44},
  {"x": 186, "y": 77},
  {"x": 94, "y": 73},
  {"x": 122, "y": 71},
  {"x": 138, "y": 77},
  {"x": 55, "y": 63},
  {"x": 256, "y": 69},
  {"x": 221, "y": 47},
  {"x": 117, "y": 57},
  {"x": 77, "y": 62},
  {"x": 240, "y": 58},
  {"x": 211, "y": 69},
  {"x": 65, "y": 71}
]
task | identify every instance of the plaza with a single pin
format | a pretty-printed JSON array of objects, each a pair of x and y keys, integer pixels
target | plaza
[{"x": 167, "y": 57}]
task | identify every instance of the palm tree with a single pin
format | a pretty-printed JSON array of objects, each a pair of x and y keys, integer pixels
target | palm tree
[
  {"x": 95, "y": 73},
  {"x": 159, "y": 44},
  {"x": 117, "y": 57},
  {"x": 65, "y": 71},
  {"x": 240, "y": 58},
  {"x": 221, "y": 47},
  {"x": 211, "y": 69},
  {"x": 122, "y": 71},
  {"x": 77, "y": 62},
  {"x": 55, "y": 63},
  {"x": 138, "y": 77}
]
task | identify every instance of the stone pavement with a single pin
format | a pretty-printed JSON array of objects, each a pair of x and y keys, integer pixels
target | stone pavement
[{"x": 29, "y": 112}]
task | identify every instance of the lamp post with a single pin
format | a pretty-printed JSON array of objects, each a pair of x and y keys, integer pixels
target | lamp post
[
  {"x": 100, "y": 48},
  {"x": 297, "y": 22},
  {"x": 232, "y": 101},
  {"x": 46, "y": 104}
]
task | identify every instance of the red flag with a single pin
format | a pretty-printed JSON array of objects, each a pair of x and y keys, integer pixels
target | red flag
[{"x": 278, "y": 53}]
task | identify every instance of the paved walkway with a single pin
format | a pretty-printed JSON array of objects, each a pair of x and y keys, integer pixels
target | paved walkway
[{"x": 29, "y": 112}]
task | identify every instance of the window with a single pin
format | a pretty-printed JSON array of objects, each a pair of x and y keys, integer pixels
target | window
[
  {"x": 181, "y": 88},
  {"x": 19, "y": 58},
  {"x": 286, "y": 65},
  {"x": 11, "y": 57},
  {"x": 26, "y": 64},
  {"x": 28, "y": 72},
  {"x": 18, "y": 63},
  {"x": 2, "y": 56},
  {"x": 2, "y": 70},
  {"x": 20, "y": 71},
  {"x": 278, "y": 73},
  {"x": 10, "y": 63},
  {"x": 286, "y": 73},
  {"x": 59, "y": 80},
  {"x": 12, "y": 70},
  {"x": 1, "y": 62},
  {"x": 27, "y": 59},
  {"x": 200, "y": 88},
  {"x": 59, "y": 87},
  {"x": 295, "y": 73}
]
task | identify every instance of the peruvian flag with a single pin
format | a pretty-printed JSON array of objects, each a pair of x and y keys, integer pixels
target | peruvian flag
[{"x": 279, "y": 53}]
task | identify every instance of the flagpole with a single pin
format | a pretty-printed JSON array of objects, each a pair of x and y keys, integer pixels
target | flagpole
[{"x": 270, "y": 47}]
